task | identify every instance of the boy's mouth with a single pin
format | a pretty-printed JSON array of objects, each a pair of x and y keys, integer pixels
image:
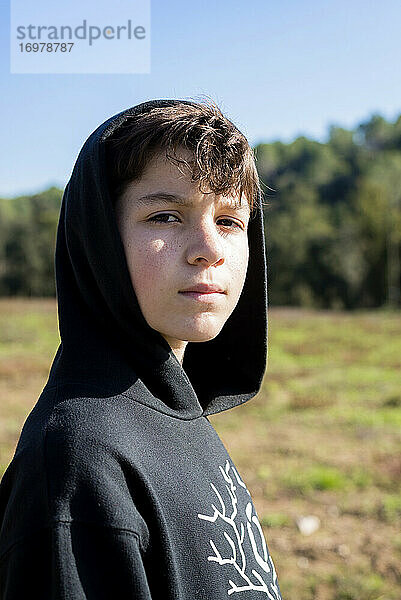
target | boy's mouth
[
  {"x": 204, "y": 288},
  {"x": 206, "y": 292}
]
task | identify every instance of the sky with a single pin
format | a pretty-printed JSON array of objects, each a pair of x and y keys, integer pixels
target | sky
[{"x": 278, "y": 69}]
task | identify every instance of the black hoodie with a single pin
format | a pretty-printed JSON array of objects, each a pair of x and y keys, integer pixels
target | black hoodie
[{"x": 120, "y": 488}]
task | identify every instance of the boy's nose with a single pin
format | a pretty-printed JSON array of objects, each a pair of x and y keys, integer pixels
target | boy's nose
[{"x": 205, "y": 244}]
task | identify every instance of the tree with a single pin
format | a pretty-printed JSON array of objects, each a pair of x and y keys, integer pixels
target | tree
[{"x": 385, "y": 177}]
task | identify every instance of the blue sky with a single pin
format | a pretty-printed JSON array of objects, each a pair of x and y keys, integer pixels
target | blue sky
[{"x": 278, "y": 69}]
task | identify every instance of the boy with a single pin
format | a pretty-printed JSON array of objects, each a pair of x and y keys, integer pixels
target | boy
[{"x": 120, "y": 488}]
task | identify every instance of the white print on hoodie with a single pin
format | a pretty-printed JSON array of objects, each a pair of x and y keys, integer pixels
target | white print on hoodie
[{"x": 236, "y": 526}]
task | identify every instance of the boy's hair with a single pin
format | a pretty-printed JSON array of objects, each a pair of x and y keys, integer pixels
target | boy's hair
[{"x": 222, "y": 156}]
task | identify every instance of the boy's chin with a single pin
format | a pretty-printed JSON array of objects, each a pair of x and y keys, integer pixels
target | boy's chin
[
  {"x": 197, "y": 334},
  {"x": 203, "y": 335}
]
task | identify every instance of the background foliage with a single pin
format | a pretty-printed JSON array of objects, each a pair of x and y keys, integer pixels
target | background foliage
[{"x": 332, "y": 215}]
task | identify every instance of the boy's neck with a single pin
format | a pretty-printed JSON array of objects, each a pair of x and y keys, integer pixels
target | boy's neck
[{"x": 177, "y": 346}]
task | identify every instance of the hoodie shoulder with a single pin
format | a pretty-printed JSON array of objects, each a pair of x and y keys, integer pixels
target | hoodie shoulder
[
  {"x": 90, "y": 476},
  {"x": 70, "y": 466}
]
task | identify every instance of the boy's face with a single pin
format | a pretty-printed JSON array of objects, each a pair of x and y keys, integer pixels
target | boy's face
[{"x": 174, "y": 244}]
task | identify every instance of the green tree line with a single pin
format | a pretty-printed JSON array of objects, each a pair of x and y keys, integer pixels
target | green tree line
[{"x": 332, "y": 219}]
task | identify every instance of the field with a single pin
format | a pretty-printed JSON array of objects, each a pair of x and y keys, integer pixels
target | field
[{"x": 321, "y": 439}]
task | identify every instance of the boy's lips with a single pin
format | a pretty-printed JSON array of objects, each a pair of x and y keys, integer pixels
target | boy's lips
[
  {"x": 204, "y": 288},
  {"x": 204, "y": 292}
]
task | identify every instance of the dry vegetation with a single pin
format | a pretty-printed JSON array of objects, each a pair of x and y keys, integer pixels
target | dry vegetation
[{"x": 322, "y": 438}]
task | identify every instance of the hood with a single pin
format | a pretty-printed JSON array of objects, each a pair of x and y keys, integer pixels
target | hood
[{"x": 105, "y": 340}]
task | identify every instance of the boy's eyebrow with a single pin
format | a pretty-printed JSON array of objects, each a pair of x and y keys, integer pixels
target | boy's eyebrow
[{"x": 167, "y": 198}]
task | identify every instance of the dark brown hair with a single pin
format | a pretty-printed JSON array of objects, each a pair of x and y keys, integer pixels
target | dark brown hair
[{"x": 222, "y": 156}]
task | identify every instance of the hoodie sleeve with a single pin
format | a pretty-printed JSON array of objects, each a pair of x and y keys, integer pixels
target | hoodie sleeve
[{"x": 75, "y": 561}]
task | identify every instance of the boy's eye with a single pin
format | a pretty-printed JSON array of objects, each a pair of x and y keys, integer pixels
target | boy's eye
[
  {"x": 230, "y": 223},
  {"x": 162, "y": 218},
  {"x": 165, "y": 218}
]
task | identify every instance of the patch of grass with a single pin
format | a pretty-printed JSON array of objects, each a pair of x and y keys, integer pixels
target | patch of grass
[
  {"x": 358, "y": 587},
  {"x": 390, "y": 507},
  {"x": 316, "y": 478},
  {"x": 28, "y": 327},
  {"x": 275, "y": 520},
  {"x": 359, "y": 415},
  {"x": 393, "y": 401},
  {"x": 325, "y": 425},
  {"x": 396, "y": 541},
  {"x": 263, "y": 472},
  {"x": 361, "y": 478},
  {"x": 323, "y": 477}
]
